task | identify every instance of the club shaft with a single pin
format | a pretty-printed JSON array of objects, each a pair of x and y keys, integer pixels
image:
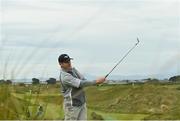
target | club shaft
[{"x": 122, "y": 59}]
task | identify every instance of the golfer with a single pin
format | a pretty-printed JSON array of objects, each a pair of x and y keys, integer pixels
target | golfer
[{"x": 72, "y": 84}]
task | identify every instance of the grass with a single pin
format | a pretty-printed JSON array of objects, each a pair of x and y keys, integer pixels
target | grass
[
  {"x": 117, "y": 116},
  {"x": 112, "y": 102}
]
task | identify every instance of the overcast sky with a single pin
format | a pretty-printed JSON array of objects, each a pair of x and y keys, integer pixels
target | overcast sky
[{"x": 96, "y": 33}]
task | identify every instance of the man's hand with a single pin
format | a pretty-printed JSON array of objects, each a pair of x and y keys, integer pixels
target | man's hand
[{"x": 100, "y": 80}]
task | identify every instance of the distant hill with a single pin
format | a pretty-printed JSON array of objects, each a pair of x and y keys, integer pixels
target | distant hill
[{"x": 160, "y": 100}]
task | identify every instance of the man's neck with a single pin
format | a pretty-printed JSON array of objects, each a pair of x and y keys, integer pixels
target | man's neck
[{"x": 66, "y": 70}]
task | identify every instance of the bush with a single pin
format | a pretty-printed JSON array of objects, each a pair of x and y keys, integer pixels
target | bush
[
  {"x": 174, "y": 79},
  {"x": 35, "y": 81},
  {"x": 51, "y": 81},
  {"x": 96, "y": 116}
]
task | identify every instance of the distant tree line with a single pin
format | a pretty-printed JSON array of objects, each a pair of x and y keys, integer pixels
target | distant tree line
[
  {"x": 49, "y": 81},
  {"x": 2, "y": 81},
  {"x": 175, "y": 79},
  {"x": 34, "y": 81}
]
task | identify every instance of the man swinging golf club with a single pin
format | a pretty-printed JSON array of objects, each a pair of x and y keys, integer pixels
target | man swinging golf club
[{"x": 72, "y": 83}]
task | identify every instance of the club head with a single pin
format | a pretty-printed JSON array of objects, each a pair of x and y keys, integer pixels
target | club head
[{"x": 137, "y": 41}]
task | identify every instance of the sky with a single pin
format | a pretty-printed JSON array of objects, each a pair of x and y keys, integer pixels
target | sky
[{"x": 96, "y": 33}]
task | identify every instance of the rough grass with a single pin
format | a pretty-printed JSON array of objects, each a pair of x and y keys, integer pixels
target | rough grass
[
  {"x": 116, "y": 102},
  {"x": 161, "y": 101}
]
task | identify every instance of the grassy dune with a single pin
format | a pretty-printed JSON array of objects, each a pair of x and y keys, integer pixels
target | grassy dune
[{"x": 109, "y": 102}]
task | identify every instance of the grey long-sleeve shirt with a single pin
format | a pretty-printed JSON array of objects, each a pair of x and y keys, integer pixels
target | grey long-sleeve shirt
[
  {"x": 72, "y": 83},
  {"x": 75, "y": 79}
]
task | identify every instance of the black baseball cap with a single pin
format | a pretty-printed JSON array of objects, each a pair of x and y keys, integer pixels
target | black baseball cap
[{"x": 64, "y": 58}]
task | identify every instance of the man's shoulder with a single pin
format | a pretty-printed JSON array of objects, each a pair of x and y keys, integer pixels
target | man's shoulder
[
  {"x": 73, "y": 68},
  {"x": 64, "y": 73}
]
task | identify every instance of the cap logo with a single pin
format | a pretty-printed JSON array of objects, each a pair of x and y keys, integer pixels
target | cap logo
[{"x": 66, "y": 57}]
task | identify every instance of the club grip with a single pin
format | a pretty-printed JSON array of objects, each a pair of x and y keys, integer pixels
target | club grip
[{"x": 106, "y": 75}]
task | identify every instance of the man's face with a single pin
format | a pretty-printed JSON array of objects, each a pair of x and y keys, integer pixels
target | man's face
[{"x": 66, "y": 65}]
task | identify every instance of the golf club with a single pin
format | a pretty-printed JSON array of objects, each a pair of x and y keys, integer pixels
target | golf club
[{"x": 123, "y": 58}]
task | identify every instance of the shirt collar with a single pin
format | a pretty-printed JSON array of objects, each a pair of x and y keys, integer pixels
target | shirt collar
[{"x": 67, "y": 70}]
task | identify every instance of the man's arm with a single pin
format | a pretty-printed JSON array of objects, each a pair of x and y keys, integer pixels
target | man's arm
[
  {"x": 75, "y": 82},
  {"x": 69, "y": 80},
  {"x": 84, "y": 82}
]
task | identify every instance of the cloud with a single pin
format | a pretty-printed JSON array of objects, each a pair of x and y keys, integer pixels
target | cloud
[{"x": 96, "y": 31}]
